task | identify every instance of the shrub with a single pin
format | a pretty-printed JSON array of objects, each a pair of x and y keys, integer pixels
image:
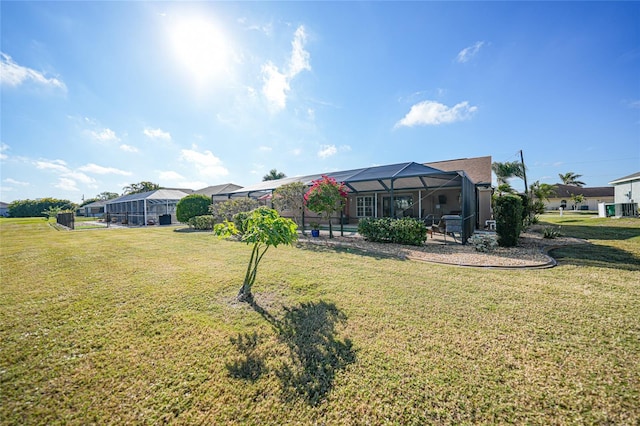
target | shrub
[
  {"x": 483, "y": 242},
  {"x": 407, "y": 230},
  {"x": 201, "y": 223},
  {"x": 225, "y": 210},
  {"x": 551, "y": 232},
  {"x": 191, "y": 206},
  {"x": 508, "y": 215}
]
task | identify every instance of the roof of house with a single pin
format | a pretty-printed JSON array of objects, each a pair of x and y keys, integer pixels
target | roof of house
[
  {"x": 566, "y": 191},
  {"x": 99, "y": 203},
  {"x": 634, "y": 176},
  {"x": 404, "y": 176},
  {"x": 4, "y": 205},
  {"x": 210, "y": 191},
  {"x": 158, "y": 194},
  {"x": 478, "y": 169}
]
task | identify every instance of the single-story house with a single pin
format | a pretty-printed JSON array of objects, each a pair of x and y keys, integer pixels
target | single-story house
[
  {"x": 401, "y": 190},
  {"x": 4, "y": 209},
  {"x": 627, "y": 195},
  {"x": 592, "y": 197},
  {"x": 146, "y": 208},
  {"x": 95, "y": 209},
  {"x": 215, "y": 191}
]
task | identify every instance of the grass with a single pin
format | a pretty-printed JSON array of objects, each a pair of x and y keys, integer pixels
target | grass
[{"x": 114, "y": 326}]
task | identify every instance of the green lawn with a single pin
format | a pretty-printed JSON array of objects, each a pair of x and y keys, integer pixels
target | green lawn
[{"x": 128, "y": 326}]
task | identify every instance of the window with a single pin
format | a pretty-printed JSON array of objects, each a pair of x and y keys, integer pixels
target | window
[{"x": 364, "y": 206}]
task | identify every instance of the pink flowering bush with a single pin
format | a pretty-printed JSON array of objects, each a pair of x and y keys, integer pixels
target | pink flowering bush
[{"x": 325, "y": 197}]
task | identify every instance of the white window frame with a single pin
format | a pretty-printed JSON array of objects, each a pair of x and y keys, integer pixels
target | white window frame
[{"x": 368, "y": 203}]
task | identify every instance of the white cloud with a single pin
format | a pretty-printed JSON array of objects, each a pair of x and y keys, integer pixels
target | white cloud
[
  {"x": 327, "y": 151},
  {"x": 67, "y": 184},
  {"x": 16, "y": 182},
  {"x": 3, "y": 147},
  {"x": 434, "y": 113},
  {"x": 105, "y": 135},
  {"x": 170, "y": 175},
  {"x": 277, "y": 84},
  {"x": 469, "y": 52},
  {"x": 14, "y": 75},
  {"x": 264, "y": 148},
  {"x": 55, "y": 165},
  {"x": 100, "y": 170},
  {"x": 79, "y": 176},
  {"x": 128, "y": 148},
  {"x": 205, "y": 162},
  {"x": 296, "y": 152},
  {"x": 157, "y": 134},
  {"x": 299, "y": 57}
]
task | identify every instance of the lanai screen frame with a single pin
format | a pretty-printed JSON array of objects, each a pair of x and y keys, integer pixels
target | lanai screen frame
[{"x": 387, "y": 178}]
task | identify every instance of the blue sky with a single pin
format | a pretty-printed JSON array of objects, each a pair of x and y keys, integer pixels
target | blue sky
[{"x": 98, "y": 95}]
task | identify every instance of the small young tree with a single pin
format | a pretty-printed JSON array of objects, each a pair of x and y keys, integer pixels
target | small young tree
[
  {"x": 325, "y": 197},
  {"x": 290, "y": 197},
  {"x": 263, "y": 228},
  {"x": 191, "y": 206}
]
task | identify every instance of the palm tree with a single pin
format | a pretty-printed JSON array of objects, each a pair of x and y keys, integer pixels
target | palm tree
[
  {"x": 507, "y": 170},
  {"x": 273, "y": 175},
  {"x": 571, "y": 178},
  {"x": 542, "y": 191}
]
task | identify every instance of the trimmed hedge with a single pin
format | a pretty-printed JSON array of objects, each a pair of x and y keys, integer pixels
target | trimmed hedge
[
  {"x": 406, "y": 231},
  {"x": 192, "y": 205},
  {"x": 202, "y": 223},
  {"x": 508, "y": 214}
]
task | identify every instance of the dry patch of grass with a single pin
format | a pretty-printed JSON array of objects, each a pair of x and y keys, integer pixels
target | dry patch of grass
[{"x": 139, "y": 326}]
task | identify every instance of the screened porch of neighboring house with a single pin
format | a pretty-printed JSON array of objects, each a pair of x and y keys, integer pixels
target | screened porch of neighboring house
[{"x": 148, "y": 208}]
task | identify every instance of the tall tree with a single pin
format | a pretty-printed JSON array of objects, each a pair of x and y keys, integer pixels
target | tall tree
[
  {"x": 507, "y": 170},
  {"x": 104, "y": 196},
  {"x": 542, "y": 192},
  {"x": 273, "y": 175},
  {"x": 136, "y": 188},
  {"x": 571, "y": 178}
]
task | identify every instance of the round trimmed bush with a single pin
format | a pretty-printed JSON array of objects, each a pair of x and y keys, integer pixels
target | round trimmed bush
[{"x": 191, "y": 206}]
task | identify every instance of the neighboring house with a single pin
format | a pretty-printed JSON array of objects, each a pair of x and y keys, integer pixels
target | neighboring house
[
  {"x": 215, "y": 191},
  {"x": 627, "y": 196},
  {"x": 4, "y": 209},
  {"x": 95, "y": 209},
  {"x": 147, "y": 208},
  {"x": 592, "y": 196},
  {"x": 627, "y": 189},
  {"x": 404, "y": 190}
]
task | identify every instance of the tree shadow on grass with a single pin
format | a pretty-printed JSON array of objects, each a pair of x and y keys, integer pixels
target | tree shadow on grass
[
  {"x": 250, "y": 364},
  {"x": 599, "y": 256},
  {"x": 315, "y": 352}
]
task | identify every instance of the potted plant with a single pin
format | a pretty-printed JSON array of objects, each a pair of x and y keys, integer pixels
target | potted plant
[{"x": 315, "y": 229}]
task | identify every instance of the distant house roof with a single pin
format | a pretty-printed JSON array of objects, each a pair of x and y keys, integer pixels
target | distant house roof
[
  {"x": 478, "y": 169},
  {"x": 4, "y": 205},
  {"x": 158, "y": 194},
  {"x": 210, "y": 191},
  {"x": 635, "y": 176},
  {"x": 99, "y": 203},
  {"x": 566, "y": 191}
]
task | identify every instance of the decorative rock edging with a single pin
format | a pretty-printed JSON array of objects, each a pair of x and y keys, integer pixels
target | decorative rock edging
[{"x": 499, "y": 262}]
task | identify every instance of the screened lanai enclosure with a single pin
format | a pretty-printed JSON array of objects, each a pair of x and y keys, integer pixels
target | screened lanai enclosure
[
  {"x": 395, "y": 190},
  {"x": 147, "y": 208}
]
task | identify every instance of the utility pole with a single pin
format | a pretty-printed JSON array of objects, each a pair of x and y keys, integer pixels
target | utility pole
[{"x": 524, "y": 174}]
